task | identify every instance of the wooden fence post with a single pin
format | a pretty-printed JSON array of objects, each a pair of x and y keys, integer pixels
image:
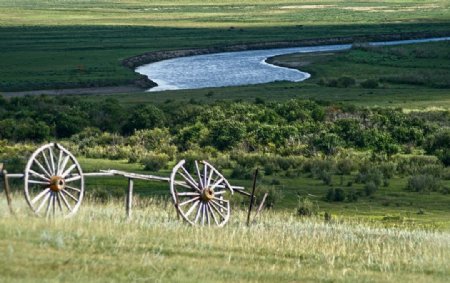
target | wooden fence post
[
  {"x": 4, "y": 174},
  {"x": 129, "y": 199}
]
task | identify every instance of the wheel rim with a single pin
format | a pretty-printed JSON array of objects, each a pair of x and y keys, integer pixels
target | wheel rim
[
  {"x": 200, "y": 198},
  {"x": 54, "y": 183}
]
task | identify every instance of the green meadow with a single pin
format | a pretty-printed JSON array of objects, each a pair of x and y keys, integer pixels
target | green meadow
[{"x": 355, "y": 159}]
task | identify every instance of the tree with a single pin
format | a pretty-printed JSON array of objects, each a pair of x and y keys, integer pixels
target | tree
[{"x": 147, "y": 117}]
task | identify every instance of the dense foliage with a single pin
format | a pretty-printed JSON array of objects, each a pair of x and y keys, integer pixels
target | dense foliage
[{"x": 295, "y": 127}]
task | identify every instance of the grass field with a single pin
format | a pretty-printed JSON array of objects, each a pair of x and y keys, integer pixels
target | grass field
[
  {"x": 100, "y": 245},
  {"x": 391, "y": 205},
  {"x": 68, "y": 44}
]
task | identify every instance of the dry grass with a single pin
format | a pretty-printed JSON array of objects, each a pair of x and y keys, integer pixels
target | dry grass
[{"x": 99, "y": 244}]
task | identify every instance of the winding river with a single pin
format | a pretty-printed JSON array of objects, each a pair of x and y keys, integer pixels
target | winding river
[{"x": 237, "y": 68}]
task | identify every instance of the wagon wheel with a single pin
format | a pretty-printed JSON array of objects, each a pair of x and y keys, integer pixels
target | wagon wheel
[
  {"x": 200, "y": 198},
  {"x": 54, "y": 183}
]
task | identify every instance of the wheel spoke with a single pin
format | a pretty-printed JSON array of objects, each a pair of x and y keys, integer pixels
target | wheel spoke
[
  {"x": 70, "y": 195},
  {"x": 38, "y": 182},
  {"x": 203, "y": 214},
  {"x": 63, "y": 165},
  {"x": 73, "y": 188},
  {"x": 42, "y": 167},
  {"x": 199, "y": 175},
  {"x": 218, "y": 204},
  {"x": 59, "y": 203},
  {"x": 47, "y": 163},
  {"x": 68, "y": 170},
  {"x": 41, "y": 194},
  {"x": 213, "y": 215},
  {"x": 75, "y": 178},
  {"x": 43, "y": 202},
  {"x": 189, "y": 176},
  {"x": 189, "y": 201},
  {"x": 217, "y": 210},
  {"x": 182, "y": 184},
  {"x": 191, "y": 209},
  {"x": 188, "y": 194},
  {"x": 198, "y": 212},
  {"x": 66, "y": 202},
  {"x": 220, "y": 199},
  {"x": 207, "y": 215},
  {"x": 220, "y": 192},
  {"x": 209, "y": 177},
  {"x": 52, "y": 161},
  {"x": 58, "y": 164},
  {"x": 34, "y": 173},
  {"x": 54, "y": 204},
  {"x": 193, "y": 185},
  {"x": 47, "y": 212},
  {"x": 205, "y": 173},
  {"x": 217, "y": 183}
]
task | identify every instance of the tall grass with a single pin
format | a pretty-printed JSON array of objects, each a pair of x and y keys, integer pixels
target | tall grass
[{"x": 99, "y": 244}]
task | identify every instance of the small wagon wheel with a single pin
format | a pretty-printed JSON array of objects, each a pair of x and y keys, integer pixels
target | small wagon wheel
[
  {"x": 200, "y": 198},
  {"x": 54, "y": 183}
]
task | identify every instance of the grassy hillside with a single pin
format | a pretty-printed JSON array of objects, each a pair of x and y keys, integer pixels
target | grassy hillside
[{"x": 100, "y": 245}]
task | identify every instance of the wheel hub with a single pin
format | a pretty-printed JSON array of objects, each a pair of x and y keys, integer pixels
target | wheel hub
[
  {"x": 207, "y": 194},
  {"x": 57, "y": 183}
]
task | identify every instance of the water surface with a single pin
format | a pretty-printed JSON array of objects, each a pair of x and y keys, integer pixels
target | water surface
[{"x": 237, "y": 68}]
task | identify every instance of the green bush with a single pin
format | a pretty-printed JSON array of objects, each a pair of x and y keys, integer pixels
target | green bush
[
  {"x": 335, "y": 194},
  {"x": 370, "y": 83},
  {"x": 423, "y": 183},
  {"x": 241, "y": 172},
  {"x": 345, "y": 82},
  {"x": 306, "y": 207},
  {"x": 370, "y": 188},
  {"x": 273, "y": 196},
  {"x": 155, "y": 161},
  {"x": 352, "y": 196},
  {"x": 344, "y": 166}
]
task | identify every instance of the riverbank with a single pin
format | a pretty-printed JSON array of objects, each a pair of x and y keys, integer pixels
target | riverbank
[{"x": 144, "y": 83}]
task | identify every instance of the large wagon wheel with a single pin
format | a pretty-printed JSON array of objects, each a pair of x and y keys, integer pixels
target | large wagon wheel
[
  {"x": 200, "y": 198},
  {"x": 54, "y": 183}
]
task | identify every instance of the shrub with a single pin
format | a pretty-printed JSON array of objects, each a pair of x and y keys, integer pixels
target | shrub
[
  {"x": 306, "y": 207},
  {"x": 337, "y": 194},
  {"x": 345, "y": 82},
  {"x": 317, "y": 166},
  {"x": 370, "y": 83},
  {"x": 269, "y": 169},
  {"x": 372, "y": 175},
  {"x": 241, "y": 172},
  {"x": 423, "y": 183},
  {"x": 326, "y": 177},
  {"x": 352, "y": 196},
  {"x": 344, "y": 166},
  {"x": 155, "y": 161},
  {"x": 370, "y": 188},
  {"x": 273, "y": 196}
]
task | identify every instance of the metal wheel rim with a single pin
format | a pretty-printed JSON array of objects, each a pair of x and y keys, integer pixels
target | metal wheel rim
[
  {"x": 53, "y": 182},
  {"x": 200, "y": 198}
]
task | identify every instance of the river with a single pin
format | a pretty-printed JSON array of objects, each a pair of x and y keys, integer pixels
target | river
[{"x": 237, "y": 68}]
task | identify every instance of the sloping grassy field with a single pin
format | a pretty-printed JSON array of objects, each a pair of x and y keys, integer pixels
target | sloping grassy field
[{"x": 100, "y": 245}]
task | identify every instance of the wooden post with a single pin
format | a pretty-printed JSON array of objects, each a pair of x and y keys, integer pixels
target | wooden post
[
  {"x": 4, "y": 174},
  {"x": 260, "y": 207},
  {"x": 252, "y": 197},
  {"x": 129, "y": 198}
]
